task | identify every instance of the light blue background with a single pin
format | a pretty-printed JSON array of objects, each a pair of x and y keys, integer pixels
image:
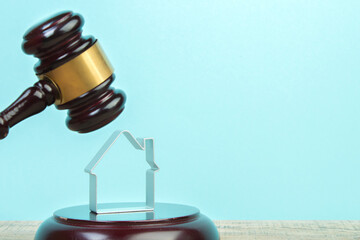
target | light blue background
[{"x": 254, "y": 107}]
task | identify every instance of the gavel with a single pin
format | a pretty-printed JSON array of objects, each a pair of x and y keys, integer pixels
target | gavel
[{"x": 73, "y": 74}]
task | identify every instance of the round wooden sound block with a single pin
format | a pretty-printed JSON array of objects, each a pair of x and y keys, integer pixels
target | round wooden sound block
[{"x": 166, "y": 222}]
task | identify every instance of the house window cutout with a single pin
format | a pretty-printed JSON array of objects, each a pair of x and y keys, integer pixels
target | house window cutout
[{"x": 143, "y": 144}]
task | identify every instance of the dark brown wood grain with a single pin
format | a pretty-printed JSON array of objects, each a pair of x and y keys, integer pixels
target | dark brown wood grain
[
  {"x": 54, "y": 42},
  {"x": 32, "y": 101},
  {"x": 190, "y": 228},
  {"x": 95, "y": 108}
]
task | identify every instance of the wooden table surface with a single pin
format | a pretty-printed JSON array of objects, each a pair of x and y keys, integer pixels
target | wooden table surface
[{"x": 231, "y": 230}]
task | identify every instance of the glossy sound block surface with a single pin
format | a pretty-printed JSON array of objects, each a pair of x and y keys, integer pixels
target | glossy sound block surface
[{"x": 167, "y": 222}]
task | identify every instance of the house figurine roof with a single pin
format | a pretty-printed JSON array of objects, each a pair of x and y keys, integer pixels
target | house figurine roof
[{"x": 143, "y": 144}]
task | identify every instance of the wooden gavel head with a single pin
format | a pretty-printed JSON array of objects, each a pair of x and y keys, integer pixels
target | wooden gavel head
[{"x": 73, "y": 73}]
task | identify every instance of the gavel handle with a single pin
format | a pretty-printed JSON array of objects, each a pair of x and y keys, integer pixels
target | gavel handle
[{"x": 32, "y": 101}]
